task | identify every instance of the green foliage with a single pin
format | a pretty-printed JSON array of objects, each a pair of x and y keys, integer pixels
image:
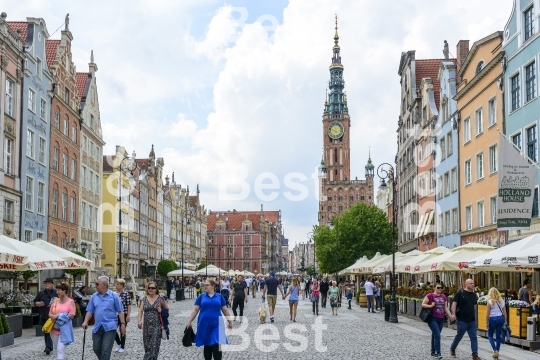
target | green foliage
[
  {"x": 1, "y": 325},
  {"x": 28, "y": 274},
  {"x": 76, "y": 272},
  {"x": 77, "y": 311},
  {"x": 4, "y": 323},
  {"x": 201, "y": 266},
  {"x": 310, "y": 270},
  {"x": 361, "y": 230},
  {"x": 166, "y": 266}
]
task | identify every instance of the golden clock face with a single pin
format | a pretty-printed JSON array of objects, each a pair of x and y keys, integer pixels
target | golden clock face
[{"x": 335, "y": 130}]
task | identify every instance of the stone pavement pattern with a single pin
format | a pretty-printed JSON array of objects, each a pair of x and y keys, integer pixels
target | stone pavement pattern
[{"x": 353, "y": 334}]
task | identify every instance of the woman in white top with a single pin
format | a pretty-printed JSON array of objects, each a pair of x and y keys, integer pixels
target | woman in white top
[
  {"x": 303, "y": 288},
  {"x": 495, "y": 319}
]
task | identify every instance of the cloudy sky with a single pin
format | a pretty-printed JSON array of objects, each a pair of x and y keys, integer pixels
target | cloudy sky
[{"x": 231, "y": 94}]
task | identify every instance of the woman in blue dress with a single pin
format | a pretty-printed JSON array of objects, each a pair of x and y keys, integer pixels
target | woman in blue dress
[{"x": 210, "y": 325}]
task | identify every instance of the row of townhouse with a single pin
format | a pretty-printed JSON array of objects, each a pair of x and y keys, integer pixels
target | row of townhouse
[
  {"x": 148, "y": 218},
  {"x": 52, "y": 140},
  {"x": 452, "y": 113}
]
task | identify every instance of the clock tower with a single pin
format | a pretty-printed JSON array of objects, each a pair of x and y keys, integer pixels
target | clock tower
[{"x": 337, "y": 191}]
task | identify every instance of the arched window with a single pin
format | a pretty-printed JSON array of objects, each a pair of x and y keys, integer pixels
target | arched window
[{"x": 480, "y": 66}]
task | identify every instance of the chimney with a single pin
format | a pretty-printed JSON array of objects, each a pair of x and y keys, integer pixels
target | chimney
[{"x": 462, "y": 51}]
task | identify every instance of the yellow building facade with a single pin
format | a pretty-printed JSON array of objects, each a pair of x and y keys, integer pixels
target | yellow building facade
[{"x": 480, "y": 118}]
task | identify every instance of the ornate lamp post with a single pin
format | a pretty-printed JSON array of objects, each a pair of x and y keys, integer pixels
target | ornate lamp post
[
  {"x": 188, "y": 218},
  {"x": 130, "y": 165},
  {"x": 310, "y": 237},
  {"x": 383, "y": 175},
  {"x": 331, "y": 225}
]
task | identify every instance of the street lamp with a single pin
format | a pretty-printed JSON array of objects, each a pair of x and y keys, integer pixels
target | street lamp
[
  {"x": 385, "y": 174},
  {"x": 84, "y": 246},
  {"x": 131, "y": 165},
  {"x": 188, "y": 218},
  {"x": 330, "y": 224},
  {"x": 310, "y": 237}
]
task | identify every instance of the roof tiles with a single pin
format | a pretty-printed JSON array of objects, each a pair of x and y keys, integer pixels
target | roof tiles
[
  {"x": 50, "y": 51},
  {"x": 429, "y": 68},
  {"x": 234, "y": 219},
  {"x": 19, "y": 25},
  {"x": 82, "y": 79}
]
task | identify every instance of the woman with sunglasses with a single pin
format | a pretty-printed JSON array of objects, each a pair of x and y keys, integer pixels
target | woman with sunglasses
[
  {"x": 437, "y": 302},
  {"x": 151, "y": 306},
  {"x": 210, "y": 327}
]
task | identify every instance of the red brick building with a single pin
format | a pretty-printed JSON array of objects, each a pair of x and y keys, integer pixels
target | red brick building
[
  {"x": 244, "y": 240},
  {"x": 64, "y": 150}
]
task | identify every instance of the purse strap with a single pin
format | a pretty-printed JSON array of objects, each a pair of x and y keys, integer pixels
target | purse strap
[{"x": 501, "y": 311}]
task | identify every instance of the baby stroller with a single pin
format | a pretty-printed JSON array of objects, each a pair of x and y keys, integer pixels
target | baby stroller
[{"x": 225, "y": 293}]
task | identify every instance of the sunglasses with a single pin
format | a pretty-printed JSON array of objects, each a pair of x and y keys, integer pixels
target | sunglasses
[
  {"x": 438, "y": 287},
  {"x": 151, "y": 288}
]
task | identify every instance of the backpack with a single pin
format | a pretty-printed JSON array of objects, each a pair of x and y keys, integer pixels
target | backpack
[{"x": 198, "y": 285}]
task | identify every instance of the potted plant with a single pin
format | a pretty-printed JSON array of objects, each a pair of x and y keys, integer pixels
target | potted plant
[
  {"x": 482, "y": 310},
  {"x": 7, "y": 337},
  {"x": 78, "y": 319},
  {"x": 517, "y": 317}
]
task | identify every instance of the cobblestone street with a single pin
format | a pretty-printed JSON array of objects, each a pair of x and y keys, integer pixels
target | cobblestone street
[{"x": 353, "y": 334}]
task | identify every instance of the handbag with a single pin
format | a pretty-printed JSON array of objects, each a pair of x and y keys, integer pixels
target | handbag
[
  {"x": 189, "y": 337},
  {"x": 425, "y": 314},
  {"x": 312, "y": 298},
  {"x": 163, "y": 331},
  {"x": 49, "y": 324}
]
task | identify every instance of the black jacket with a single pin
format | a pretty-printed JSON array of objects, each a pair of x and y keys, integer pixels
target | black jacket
[
  {"x": 46, "y": 296},
  {"x": 325, "y": 286}
]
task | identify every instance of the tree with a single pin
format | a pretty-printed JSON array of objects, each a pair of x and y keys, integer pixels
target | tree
[
  {"x": 76, "y": 272},
  {"x": 310, "y": 270},
  {"x": 27, "y": 275},
  {"x": 361, "y": 230},
  {"x": 201, "y": 266},
  {"x": 166, "y": 266}
]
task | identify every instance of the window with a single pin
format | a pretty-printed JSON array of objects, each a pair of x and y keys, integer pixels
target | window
[
  {"x": 454, "y": 179},
  {"x": 30, "y": 141},
  {"x": 468, "y": 217},
  {"x": 516, "y": 139},
  {"x": 66, "y": 127},
  {"x": 447, "y": 222},
  {"x": 340, "y": 208},
  {"x": 27, "y": 235},
  {"x": 83, "y": 176},
  {"x": 480, "y": 166},
  {"x": 72, "y": 211},
  {"x": 246, "y": 252},
  {"x": 443, "y": 148},
  {"x": 42, "y": 146},
  {"x": 74, "y": 134},
  {"x": 97, "y": 184},
  {"x": 246, "y": 239},
  {"x": 91, "y": 149},
  {"x": 29, "y": 203},
  {"x": 329, "y": 208},
  {"x": 9, "y": 98},
  {"x": 446, "y": 184},
  {"x": 55, "y": 159},
  {"x": 454, "y": 221},
  {"x": 90, "y": 180},
  {"x": 530, "y": 81},
  {"x": 91, "y": 121},
  {"x": 8, "y": 156},
  {"x": 466, "y": 130},
  {"x": 492, "y": 112},
  {"x": 480, "y": 213},
  {"x": 480, "y": 66},
  {"x": 351, "y": 197},
  {"x": 65, "y": 159},
  {"x": 529, "y": 25},
  {"x": 40, "y": 235},
  {"x": 211, "y": 252},
  {"x": 32, "y": 100},
  {"x": 66, "y": 96},
  {"x": 468, "y": 175},
  {"x": 531, "y": 143},
  {"x": 73, "y": 169},
  {"x": 493, "y": 159},
  {"x": 8, "y": 210},
  {"x": 440, "y": 225},
  {"x": 57, "y": 120},
  {"x": 329, "y": 198},
  {"x": 55, "y": 203},
  {"x": 493, "y": 209},
  {"x": 83, "y": 215},
  {"x": 514, "y": 81},
  {"x": 84, "y": 142},
  {"x": 535, "y": 204},
  {"x": 440, "y": 186},
  {"x": 229, "y": 238},
  {"x": 479, "y": 122},
  {"x": 97, "y": 152},
  {"x": 41, "y": 197},
  {"x": 39, "y": 68},
  {"x": 64, "y": 206},
  {"x": 43, "y": 110},
  {"x": 449, "y": 145}
]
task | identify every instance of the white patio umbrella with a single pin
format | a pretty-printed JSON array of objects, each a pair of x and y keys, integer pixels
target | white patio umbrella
[
  {"x": 281, "y": 273},
  {"x": 367, "y": 267},
  {"x": 456, "y": 259},
  {"x": 348, "y": 270},
  {"x": 74, "y": 261},
  {"x": 212, "y": 271},
  {"x": 407, "y": 263},
  {"x": 37, "y": 259},
  {"x": 358, "y": 268},
  {"x": 521, "y": 255},
  {"x": 247, "y": 273},
  {"x": 179, "y": 272},
  {"x": 386, "y": 265}
]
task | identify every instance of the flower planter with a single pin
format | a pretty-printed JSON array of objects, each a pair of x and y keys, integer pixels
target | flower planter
[
  {"x": 15, "y": 324},
  {"x": 77, "y": 322},
  {"x": 418, "y": 306},
  {"x": 517, "y": 321},
  {"x": 482, "y": 312},
  {"x": 7, "y": 340},
  {"x": 402, "y": 306},
  {"x": 411, "y": 307}
]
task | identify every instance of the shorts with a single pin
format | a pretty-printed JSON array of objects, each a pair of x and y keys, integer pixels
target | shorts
[
  {"x": 293, "y": 302},
  {"x": 272, "y": 299}
]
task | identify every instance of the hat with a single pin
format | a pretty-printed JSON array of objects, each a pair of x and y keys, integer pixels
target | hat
[
  {"x": 272, "y": 273},
  {"x": 48, "y": 280}
]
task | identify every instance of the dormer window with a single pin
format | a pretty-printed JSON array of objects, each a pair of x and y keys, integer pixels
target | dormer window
[{"x": 481, "y": 65}]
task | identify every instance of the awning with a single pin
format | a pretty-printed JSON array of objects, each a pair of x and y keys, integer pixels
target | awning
[
  {"x": 420, "y": 226},
  {"x": 427, "y": 227}
]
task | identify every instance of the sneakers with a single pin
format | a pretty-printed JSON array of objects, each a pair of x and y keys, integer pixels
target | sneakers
[
  {"x": 475, "y": 357},
  {"x": 120, "y": 350},
  {"x": 436, "y": 356},
  {"x": 271, "y": 319},
  {"x": 117, "y": 348},
  {"x": 47, "y": 351},
  {"x": 453, "y": 353},
  {"x": 496, "y": 354}
]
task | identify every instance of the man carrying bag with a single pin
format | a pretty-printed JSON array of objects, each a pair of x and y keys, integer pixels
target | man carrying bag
[
  {"x": 464, "y": 313},
  {"x": 43, "y": 301}
]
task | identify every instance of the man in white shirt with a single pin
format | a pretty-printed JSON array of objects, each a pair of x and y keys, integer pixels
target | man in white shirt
[
  {"x": 370, "y": 287},
  {"x": 248, "y": 283}
]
